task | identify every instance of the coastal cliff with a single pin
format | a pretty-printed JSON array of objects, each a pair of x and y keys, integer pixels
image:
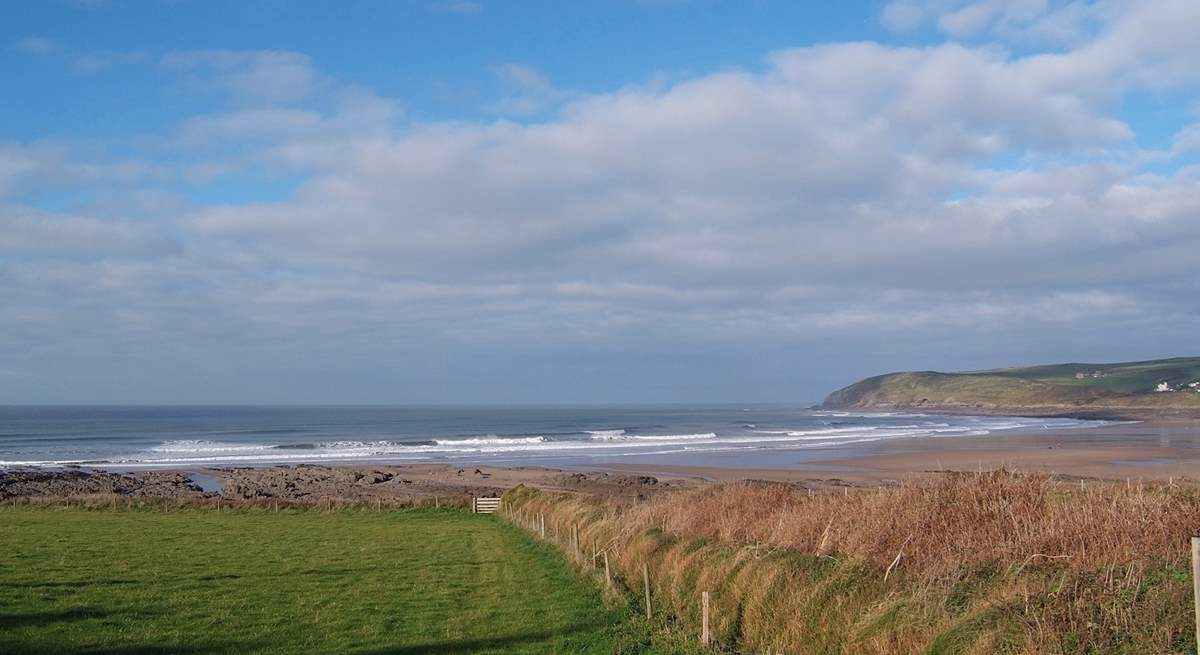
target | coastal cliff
[{"x": 1169, "y": 387}]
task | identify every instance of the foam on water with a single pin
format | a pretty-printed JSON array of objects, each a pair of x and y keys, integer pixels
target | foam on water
[
  {"x": 606, "y": 434},
  {"x": 490, "y": 440},
  {"x": 660, "y": 437},
  {"x": 205, "y": 447},
  {"x": 281, "y": 436}
]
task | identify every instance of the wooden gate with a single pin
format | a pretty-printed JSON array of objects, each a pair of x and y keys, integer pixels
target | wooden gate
[{"x": 485, "y": 505}]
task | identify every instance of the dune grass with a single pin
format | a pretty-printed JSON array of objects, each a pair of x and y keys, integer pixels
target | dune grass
[
  {"x": 255, "y": 581},
  {"x": 963, "y": 564}
]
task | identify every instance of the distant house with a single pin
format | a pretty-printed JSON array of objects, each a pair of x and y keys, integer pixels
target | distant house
[
  {"x": 1163, "y": 387},
  {"x": 1080, "y": 375}
]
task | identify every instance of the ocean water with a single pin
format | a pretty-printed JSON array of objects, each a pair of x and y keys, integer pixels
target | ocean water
[{"x": 151, "y": 437}]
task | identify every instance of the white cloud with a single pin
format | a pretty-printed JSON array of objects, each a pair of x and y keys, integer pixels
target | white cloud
[
  {"x": 92, "y": 5},
  {"x": 848, "y": 150},
  {"x": 903, "y": 15},
  {"x": 35, "y": 44},
  {"x": 253, "y": 77},
  {"x": 525, "y": 90},
  {"x": 852, "y": 191},
  {"x": 1033, "y": 22},
  {"x": 15, "y": 165},
  {"x": 31, "y": 233},
  {"x": 464, "y": 7},
  {"x": 97, "y": 61},
  {"x": 1187, "y": 139},
  {"x": 247, "y": 124},
  {"x": 977, "y": 16}
]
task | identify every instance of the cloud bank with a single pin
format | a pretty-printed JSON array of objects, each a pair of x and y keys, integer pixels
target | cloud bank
[{"x": 758, "y": 234}]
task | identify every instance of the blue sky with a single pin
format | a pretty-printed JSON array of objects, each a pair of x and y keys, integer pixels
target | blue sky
[
  {"x": 642, "y": 201},
  {"x": 437, "y": 57}
]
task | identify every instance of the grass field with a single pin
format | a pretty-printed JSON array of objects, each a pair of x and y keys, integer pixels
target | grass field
[
  {"x": 199, "y": 581},
  {"x": 967, "y": 564},
  {"x": 1128, "y": 377},
  {"x": 1121, "y": 386}
]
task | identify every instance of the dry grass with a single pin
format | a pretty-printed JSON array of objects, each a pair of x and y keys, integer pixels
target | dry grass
[
  {"x": 954, "y": 522},
  {"x": 982, "y": 563}
]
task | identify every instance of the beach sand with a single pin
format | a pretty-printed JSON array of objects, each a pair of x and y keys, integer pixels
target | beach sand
[
  {"x": 1161, "y": 451},
  {"x": 1168, "y": 450}
]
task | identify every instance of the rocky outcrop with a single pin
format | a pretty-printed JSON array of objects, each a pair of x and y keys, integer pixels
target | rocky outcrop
[{"x": 38, "y": 483}]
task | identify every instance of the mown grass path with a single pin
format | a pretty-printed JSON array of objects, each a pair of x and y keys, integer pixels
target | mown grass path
[{"x": 422, "y": 581}]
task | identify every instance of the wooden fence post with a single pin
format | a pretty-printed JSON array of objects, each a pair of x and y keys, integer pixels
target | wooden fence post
[
  {"x": 1196, "y": 584},
  {"x": 704, "y": 635},
  {"x": 646, "y": 583},
  {"x": 542, "y": 518},
  {"x": 607, "y": 576}
]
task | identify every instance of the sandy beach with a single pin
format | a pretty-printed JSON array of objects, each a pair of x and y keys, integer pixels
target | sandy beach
[{"x": 1162, "y": 451}]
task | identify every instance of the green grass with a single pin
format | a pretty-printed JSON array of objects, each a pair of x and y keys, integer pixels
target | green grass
[
  {"x": 197, "y": 581},
  {"x": 1123, "y": 385},
  {"x": 1124, "y": 378}
]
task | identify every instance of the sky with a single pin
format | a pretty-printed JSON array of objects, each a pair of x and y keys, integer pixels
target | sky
[{"x": 619, "y": 201}]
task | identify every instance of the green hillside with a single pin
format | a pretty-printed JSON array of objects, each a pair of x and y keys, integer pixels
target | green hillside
[
  {"x": 1125, "y": 378},
  {"x": 1129, "y": 387}
]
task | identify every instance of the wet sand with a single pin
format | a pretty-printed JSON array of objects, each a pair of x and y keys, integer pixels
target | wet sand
[
  {"x": 1135, "y": 451},
  {"x": 1168, "y": 450}
]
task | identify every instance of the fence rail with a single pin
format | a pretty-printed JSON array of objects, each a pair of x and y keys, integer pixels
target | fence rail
[
  {"x": 485, "y": 505},
  {"x": 566, "y": 534}
]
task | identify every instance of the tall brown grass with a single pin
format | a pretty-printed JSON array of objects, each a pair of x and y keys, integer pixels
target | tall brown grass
[{"x": 965, "y": 563}]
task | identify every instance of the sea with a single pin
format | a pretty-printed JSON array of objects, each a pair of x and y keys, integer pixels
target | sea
[{"x": 206, "y": 436}]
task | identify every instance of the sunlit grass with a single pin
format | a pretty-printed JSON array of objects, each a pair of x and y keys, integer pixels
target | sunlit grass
[
  {"x": 961, "y": 564},
  {"x": 255, "y": 581}
]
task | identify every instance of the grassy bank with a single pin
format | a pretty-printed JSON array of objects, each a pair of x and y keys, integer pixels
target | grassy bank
[
  {"x": 989, "y": 563},
  {"x": 256, "y": 581},
  {"x": 1127, "y": 388}
]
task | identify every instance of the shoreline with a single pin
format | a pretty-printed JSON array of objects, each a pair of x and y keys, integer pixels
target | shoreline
[
  {"x": 1165, "y": 450},
  {"x": 1158, "y": 450}
]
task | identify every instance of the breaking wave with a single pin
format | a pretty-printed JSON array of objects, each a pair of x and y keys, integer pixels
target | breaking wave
[{"x": 260, "y": 447}]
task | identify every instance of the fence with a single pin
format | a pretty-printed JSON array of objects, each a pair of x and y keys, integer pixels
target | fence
[
  {"x": 565, "y": 534},
  {"x": 593, "y": 555},
  {"x": 485, "y": 505}
]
